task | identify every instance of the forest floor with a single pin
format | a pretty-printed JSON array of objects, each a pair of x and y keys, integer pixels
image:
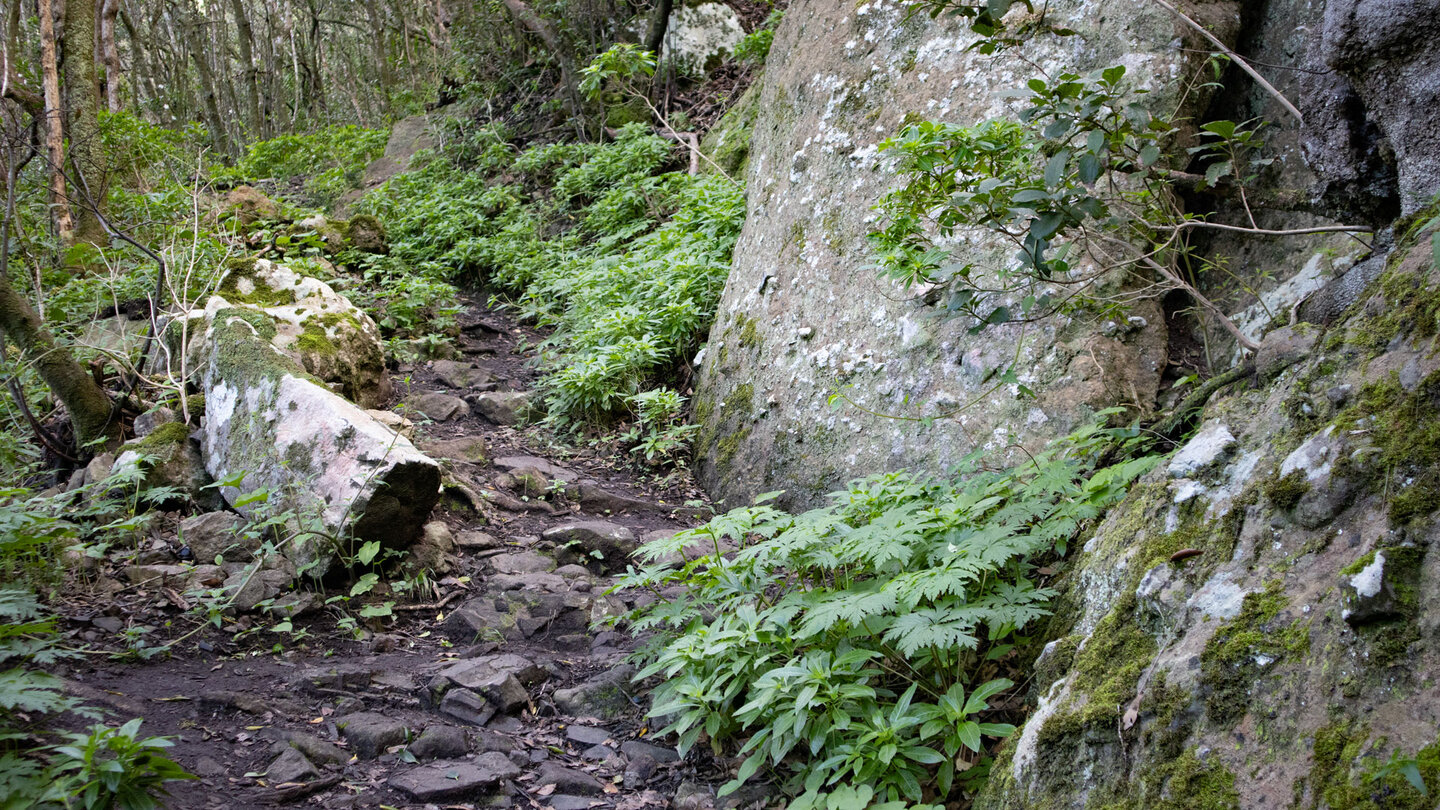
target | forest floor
[{"x": 538, "y": 709}]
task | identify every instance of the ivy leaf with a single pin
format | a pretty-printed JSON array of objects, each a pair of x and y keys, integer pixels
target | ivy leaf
[
  {"x": 1149, "y": 155},
  {"x": 1089, "y": 168}
]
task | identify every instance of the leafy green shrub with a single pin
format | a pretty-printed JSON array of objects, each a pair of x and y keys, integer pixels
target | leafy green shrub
[
  {"x": 849, "y": 645},
  {"x": 332, "y": 158},
  {"x": 755, "y": 47}
]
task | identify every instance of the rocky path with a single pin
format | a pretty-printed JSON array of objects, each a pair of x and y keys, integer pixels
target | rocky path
[{"x": 494, "y": 691}]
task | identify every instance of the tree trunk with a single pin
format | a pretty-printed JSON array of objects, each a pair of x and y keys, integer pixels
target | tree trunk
[
  {"x": 82, "y": 88},
  {"x": 60, "y": 217},
  {"x": 537, "y": 25},
  {"x": 198, "y": 55},
  {"x": 110, "y": 54},
  {"x": 377, "y": 45},
  {"x": 659, "y": 22},
  {"x": 246, "y": 38}
]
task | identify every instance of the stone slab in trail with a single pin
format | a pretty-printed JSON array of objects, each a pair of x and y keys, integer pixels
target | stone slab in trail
[{"x": 476, "y": 702}]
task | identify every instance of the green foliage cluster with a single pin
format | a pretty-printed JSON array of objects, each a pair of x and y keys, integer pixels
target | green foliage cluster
[
  {"x": 330, "y": 159},
  {"x": 1078, "y": 187},
  {"x": 858, "y": 645},
  {"x": 624, "y": 260},
  {"x": 755, "y": 47}
]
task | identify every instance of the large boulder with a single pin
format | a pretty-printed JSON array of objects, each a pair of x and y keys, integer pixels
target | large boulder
[
  {"x": 318, "y": 329},
  {"x": 317, "y": 453}
]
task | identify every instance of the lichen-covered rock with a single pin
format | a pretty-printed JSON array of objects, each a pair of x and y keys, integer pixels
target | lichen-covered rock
[
  {"x": 699, "y": 36},
  {"x": 249, "y": 205},
  {"x": 800, "y": 318},
  {"x": 315, "y": 451},
  {"x": 1278, "y": 608},
  {"x": 316, "y": 327}
]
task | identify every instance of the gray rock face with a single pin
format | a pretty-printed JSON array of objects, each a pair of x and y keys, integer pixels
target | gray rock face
[
  {"x": 470, "y": 449},
  {"x": 1386, "y": 48},
  {"x": 317, "y": 452},
  {"x": 291, "y": 766},
  {"x": 441, "y": 781},
  {"x": 216, "y": 534},
  {"x": 522, "y": 562},
  {"x": 1211, "y": 445},
  {"x": 799, "y": 318},
  {"x": 699, "y": 36},
  {"x": 467, "y": 707}
]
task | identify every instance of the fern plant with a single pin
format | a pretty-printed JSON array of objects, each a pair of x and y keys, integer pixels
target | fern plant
[{"x": 860, "y": 643}]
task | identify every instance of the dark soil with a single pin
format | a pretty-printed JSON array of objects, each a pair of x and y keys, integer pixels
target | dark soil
[{"x": 228, "y": 696}]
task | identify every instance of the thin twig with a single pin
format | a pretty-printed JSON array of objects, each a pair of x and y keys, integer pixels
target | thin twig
[{"x": 1245, "y": 66}]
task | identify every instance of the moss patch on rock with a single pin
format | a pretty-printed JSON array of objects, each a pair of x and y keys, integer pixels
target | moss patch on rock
[
  {"x": 1405, "y": 427},
  {"x": 1342, "y": 776},
  {"x": 1245, "y": 648}
]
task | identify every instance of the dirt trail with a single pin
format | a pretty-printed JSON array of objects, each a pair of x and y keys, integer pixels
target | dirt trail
[{"x": 497, "y": 695}]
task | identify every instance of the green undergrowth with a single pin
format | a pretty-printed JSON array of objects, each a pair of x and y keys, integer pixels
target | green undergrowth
[
  {"x": 859, "y": 646},
  {"x": 1348, "y": 773},
  {"x": 622, "y": 258},
  {"x": 330, "y": 161}
]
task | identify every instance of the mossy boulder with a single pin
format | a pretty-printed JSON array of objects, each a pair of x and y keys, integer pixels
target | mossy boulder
[
  {"x": 164, "y": 460},
  {"x": 249, "y": 205},
  {"x": 318, "y": 454},
  {"x": 320, "y": 330}
]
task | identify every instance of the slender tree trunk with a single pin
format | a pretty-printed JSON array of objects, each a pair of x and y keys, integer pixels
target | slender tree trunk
[
  {"x": 378, "y": 51},
  {"x": 659, "y": 22},
  {"x": 82, "y": 87},
  {"x": 245, "y": 37},
  {"x": 210, "y": 99},
  {"x": 110, "y": 54},
  {"x": 537, "y": 25},
  {"x": 60, "y": 216}
]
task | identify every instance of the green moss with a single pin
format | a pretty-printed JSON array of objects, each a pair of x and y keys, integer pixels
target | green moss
[
  {"x": 730, "y": 445},
  {"x": 1189, "y": 783},
  {"x": 1412, "y": 307},
  {"x": 1057, "y": 663},
  {"x": 750, "y": 335},
  {"x": 1359, "y": 565},
  {"x": 740, "y": 400},
  {"x": 261, "y": 296},
  {"x": 1405, "y": 427},
  {"x": 1344, "y": 776},
  {"x": 168, "y": 433},
  {"x": 1108, "y": 668},
  {"x": 1245, "y": 648},
  {"x": 314, "y": 340},
  {"x": 1286, "y": 490}
]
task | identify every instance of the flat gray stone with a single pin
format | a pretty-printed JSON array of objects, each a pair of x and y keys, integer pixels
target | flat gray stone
[
  {"x": 548, "y": 468},
  {"x": 604, "y": 696},
  {"x": 440, "y": 742},
  {"x": 441, "y": 781},
  {"x": 469, "y": 449},
  {"x": 439, "y": 407},
  {"x": 587, "y": 735},
  {"x": 217, "y": 534},
  {"x": 596, "y": 544},
  {"x": 561, "y": 801},
  {"x": 315, "y": 749},
  {"x": 635, "y": 748},
  {"x": 522, "y": 562},
  {"x": 369, "y": 734},
  {"x": 476, "y": 541},
  {"x": 568, "y": 781},
  {"x": 459, "y": 375},
  {"x": 467, "y": 707},
  {"x": 505, "y": 407},
  {"x": 477, "y": 673}
]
